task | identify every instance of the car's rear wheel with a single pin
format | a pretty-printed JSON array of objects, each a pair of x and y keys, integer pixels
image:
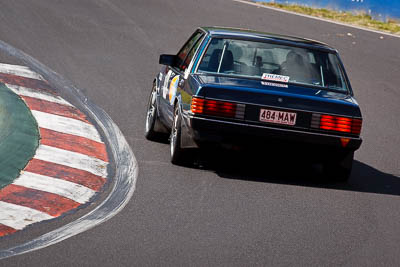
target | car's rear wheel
[
  {"x": 338, "y": 168},
  {"x": 178, "y": 155},
  {"x": 152, "y": 117}
]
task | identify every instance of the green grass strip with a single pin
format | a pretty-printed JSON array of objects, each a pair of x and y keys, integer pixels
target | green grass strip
[
  {"x": 359, "y": 18},
  {"x": 19, "y": 135}
]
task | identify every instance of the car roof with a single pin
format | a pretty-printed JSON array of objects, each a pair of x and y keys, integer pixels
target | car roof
[{"x": 251, "y": 34}]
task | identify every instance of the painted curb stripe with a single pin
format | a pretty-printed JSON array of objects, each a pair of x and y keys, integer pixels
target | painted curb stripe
[
  {"x": 26, "y": 82},
  {"x": 66, "y": 125},
  {"x": 6, "y": 230},
  {"x": 24, "y": 91},
  {"x": 19, "y": 71},
  {"x": 58, "y": 171},
  {"x": 70, "y": 164},
  {"x": 72, "y": 159},
  {"x": 18, "y": 217},
  {"x": 125, "y": 176},
  {"x": 54, "y": 108},
  {"x": 73, "y": 143},
  {"x": 50, "y": 203},
  {"x": 73, "y": 191}
]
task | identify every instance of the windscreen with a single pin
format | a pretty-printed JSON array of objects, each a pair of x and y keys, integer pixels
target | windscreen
[{"x": 273, "y": 62}]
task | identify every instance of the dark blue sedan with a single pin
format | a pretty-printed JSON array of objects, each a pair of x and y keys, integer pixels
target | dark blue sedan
[{"x": 246, "y": 88}]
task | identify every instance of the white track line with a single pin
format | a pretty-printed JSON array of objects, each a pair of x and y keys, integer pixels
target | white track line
[
  {"x": 18, "y": 217},
  {"x": 316, "y": 18},
  {"x": 24, "y": 91},
  {"x": 66, "y": 125},
  {"x": 72, "y": 159},
  {"x": 76, "y": 192},
  {"x": 19, "y": 71}
]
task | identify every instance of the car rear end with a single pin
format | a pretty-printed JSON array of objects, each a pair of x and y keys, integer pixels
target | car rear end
[
  {"x": 258, "y": 116},
  {"x": 287, "y": 94}
]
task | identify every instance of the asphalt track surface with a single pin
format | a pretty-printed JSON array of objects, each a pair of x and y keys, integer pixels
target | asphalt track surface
[{"x": 218, "y": 215}]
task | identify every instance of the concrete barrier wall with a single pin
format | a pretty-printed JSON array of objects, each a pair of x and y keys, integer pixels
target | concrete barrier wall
[{"x": 379, "y": 9}]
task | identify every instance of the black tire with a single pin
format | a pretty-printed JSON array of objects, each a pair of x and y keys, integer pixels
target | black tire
[
  {"x": 152, "y": 118},
  {"x": 338, "y": 169},
  {"x": 178, "y": 155}
]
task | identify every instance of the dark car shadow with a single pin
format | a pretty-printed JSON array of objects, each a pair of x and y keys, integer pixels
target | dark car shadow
[{"x": 282, "y": 169}]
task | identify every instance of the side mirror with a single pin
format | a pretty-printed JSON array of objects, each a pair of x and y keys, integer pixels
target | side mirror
[{"x": 168, "y": 60}]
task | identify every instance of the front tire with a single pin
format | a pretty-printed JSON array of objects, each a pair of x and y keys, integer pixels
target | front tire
[
  {"x": 177, "y": 152},
  {"x": 152, "y": 117}
]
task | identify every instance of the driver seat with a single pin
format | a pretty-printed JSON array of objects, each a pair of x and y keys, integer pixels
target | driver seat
[{"x": 227, "y": 61}]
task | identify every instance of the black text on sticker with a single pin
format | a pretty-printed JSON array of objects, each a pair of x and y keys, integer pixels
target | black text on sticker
[
  {"x": 280, "y": 117},
  {"x": 275, "y": 77}
]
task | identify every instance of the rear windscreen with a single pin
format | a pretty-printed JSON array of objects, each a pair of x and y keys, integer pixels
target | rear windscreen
[{"x": 273, "y": 62}]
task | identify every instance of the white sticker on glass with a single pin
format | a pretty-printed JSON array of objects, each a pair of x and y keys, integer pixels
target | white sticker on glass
[{"x": 275, "y": 77}]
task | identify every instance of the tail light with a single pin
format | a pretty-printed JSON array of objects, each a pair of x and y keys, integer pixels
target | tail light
[
  {"x": 217, "y": 108},
  {"x": 336, "y": 123}
]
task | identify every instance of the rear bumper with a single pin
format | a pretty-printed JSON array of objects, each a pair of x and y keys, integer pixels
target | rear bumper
[{"x": 205, "y": 130}]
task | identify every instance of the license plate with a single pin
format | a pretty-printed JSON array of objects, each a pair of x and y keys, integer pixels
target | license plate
[{"x": 279, "y": 117}]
